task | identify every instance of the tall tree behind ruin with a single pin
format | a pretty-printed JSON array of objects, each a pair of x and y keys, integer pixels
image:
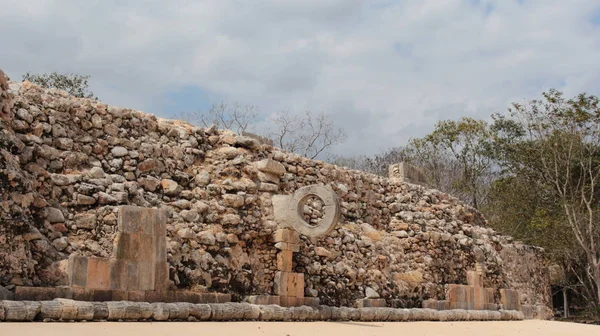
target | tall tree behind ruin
[
  {"x": 556, "y": 141},
  {"x": 76, "y": 85}
]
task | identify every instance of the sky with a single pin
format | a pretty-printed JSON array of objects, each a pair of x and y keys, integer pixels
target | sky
[{"x": 383, "y": 70}]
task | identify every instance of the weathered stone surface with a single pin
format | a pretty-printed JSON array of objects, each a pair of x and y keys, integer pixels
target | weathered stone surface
[{"x": 392, "y": 236}]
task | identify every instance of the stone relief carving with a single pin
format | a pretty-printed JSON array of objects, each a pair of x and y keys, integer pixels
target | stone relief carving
[{"x": 289, "y": 210}]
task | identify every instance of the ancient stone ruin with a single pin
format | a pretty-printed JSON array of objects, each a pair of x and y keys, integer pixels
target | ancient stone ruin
[{"x": 111, "y": 213}]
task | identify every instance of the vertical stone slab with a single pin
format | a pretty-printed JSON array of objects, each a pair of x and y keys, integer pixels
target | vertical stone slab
[
  {"x": 146, "y": 275},
  {"x": 146, "y": 252},
  {"x": 147, "y": 221},
  {"x": 161, "y": 276},
  {"x": 479, "y": 298},
  {"x": 300, "y": 285},
  {"x": 132, "y": 275},
  {"x": 118, "y": 275},
  {"x": 284, "y": 261},
  {"x": 98, "y": 273},
  {"x": 510, "y": 299},
  {"x": 474, "y": 279},
  {"x": 129, "y": 219},
  {"x": 281, "y": 283},
  {"x": 77, "y": 270}
]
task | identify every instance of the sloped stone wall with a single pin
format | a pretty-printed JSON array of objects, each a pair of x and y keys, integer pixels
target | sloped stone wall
[{"x": 395, "y": 240}]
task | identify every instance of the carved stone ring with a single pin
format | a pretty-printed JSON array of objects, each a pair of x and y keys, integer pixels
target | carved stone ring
[{"x": 289, "y": 210}]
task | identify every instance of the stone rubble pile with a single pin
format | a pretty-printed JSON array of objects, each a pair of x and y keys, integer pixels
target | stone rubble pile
[
  {"x": 66, "y": 164},
  {"x": 65, "y": 310}
]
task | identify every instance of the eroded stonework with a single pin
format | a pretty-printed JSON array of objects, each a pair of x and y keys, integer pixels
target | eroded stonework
[{"x": 69, "y": 164}]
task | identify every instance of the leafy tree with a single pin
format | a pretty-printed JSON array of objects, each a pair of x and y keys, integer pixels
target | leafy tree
[
  {"x": 468, "y": 141},
  {"x": 75, "y": 85},
  {"x": 555, "y": 142}
]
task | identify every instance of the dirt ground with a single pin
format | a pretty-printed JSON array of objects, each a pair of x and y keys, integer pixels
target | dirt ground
[{"x": 530, "y": 327}]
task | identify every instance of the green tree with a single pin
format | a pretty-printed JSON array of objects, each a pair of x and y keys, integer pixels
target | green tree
[
  {"x": 555, "y": 142},
  {"x": 76, "y": 85},
  {"x": 468, "y": 141}
]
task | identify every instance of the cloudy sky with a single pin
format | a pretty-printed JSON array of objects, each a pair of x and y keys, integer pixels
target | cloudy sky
[{"x": 384, "y": 70}]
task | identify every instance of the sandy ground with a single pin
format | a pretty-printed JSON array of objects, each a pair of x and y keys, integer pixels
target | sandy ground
[{"x": 530, "y": 327}]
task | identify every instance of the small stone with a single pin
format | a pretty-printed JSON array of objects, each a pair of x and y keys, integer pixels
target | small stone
[
  {"x": 201, "y": 207},
  {"x": 234, "y": 201},
  {"x": 206, "y": 238},
  {"x": 370, "y": 293},
  {"x": 189, "y": 215},
  {"x": 54, "y": 215},
  {"x": 96, "y": 173},
  {"x": 104, "y": 198},
  {"x": 230, "y": 219},
  {"x": 170, "y": 187},
  {"x": 270, "y": 166},
  {"x": 61, "y": 243},
  {"x": 202, "y": 179},
  {"x": 85, "y": 221},
  {"x": 119, "y": 151},
  {"x": 322, "y": 252},
  {"x": 85, "y": 200},
  {"x": 186, "y": 233}
]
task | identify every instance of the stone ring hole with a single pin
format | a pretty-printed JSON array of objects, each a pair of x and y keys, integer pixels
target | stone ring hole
[{"x": 311, "y": 209}]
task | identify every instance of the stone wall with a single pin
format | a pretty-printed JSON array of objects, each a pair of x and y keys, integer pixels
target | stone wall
[{"x": 68, "y": 163}]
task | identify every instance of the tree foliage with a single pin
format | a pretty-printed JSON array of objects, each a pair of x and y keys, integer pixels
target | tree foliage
[{"x": 76, "y": 85}]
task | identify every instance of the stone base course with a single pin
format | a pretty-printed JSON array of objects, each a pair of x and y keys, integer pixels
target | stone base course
[
  {"x": 71, "y": 310},
  {"x": 85, "y": 294}
]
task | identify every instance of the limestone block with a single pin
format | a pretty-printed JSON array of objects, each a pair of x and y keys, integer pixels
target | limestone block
[
  {"x": 50, "y": 310},
  {"x": 85, "y": 311},
  {"x": 284, "y": 261},
  {"x": 287, "y": 247},
  {"x": 263, "y": 299},
  {"x": 178, "y": 311},
  {"x": 312, "y": 301},
  {"x": 98, "y": 273},
  {"x": 325, "y": 312},
  {"x": 368, "y": 303},
  {"x": 270, "y": 166},
  {"x": 17, "y": 311},
  {"x": 286, "y": 236},
  {"x": 120, "y": 295},
  {"x": 147, "y": 248},
  {"x": 479, "y": 298},
  {"x": 133, "y": 269},
  {"x": 290, "y": 301},
  {"x": 161, "y": 275},
  {"x": 100, "y": 311},
  {"x": 42, "y": 293},
  {"x": 251, "y": 312},
  {"x": 128, "y": 246},
  {"x": 227, "y": 311},
  {"x": 68, "y": 309},
  {"x": 146, "y": 275},
  {"x": 474, "y": 279},
  {"x": 510, "y": 299},
  {"x": 201, "y": 312},
  {"x": 271, "y": 313},
  {"x": 367, "y": 313},
  {"x": 160, "y": 311},
  {"x": 77, "y": 270},
  {"x": 118, "y": 275}
]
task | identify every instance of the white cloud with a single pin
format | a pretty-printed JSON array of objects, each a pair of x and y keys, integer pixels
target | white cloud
[{"x": 386, "y": 70}]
